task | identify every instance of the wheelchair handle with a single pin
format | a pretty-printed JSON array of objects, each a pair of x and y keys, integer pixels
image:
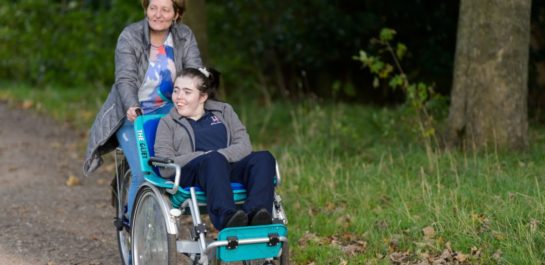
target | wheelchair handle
[{"x": 138, "y": 112}]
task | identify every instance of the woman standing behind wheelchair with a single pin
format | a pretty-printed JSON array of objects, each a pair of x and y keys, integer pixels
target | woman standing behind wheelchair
[
  {"x": 207, "y": 139},
  {"x": 148, "y": 56}
]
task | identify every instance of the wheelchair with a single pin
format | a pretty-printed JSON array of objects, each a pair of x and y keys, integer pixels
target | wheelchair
[{"x": 167, "y": 226}]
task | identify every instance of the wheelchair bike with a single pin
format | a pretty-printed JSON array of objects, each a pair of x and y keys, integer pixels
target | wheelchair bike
[{"x": 167, "y": 225}]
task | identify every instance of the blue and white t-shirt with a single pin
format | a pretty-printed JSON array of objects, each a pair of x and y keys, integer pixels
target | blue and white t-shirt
[{"x": 156, "y": 90}]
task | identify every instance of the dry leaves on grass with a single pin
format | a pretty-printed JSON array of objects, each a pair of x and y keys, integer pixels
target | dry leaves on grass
[
  {"x": 349, "y": 244},
  {"x": 399, "y": 257},
  {"x": 427, "y": 252},
  {"x": 450, "y": 257}
]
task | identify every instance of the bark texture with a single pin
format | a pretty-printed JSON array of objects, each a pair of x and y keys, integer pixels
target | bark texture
[
  {"x": 489, "y": 94},
  {"x": 195, "y": 18}
]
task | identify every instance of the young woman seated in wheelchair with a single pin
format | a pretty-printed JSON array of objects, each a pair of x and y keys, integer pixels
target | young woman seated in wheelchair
[{"x": 207, "y": 139}]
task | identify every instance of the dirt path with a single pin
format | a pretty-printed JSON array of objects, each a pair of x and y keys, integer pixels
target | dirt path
[{"x": 42, "y": 219}]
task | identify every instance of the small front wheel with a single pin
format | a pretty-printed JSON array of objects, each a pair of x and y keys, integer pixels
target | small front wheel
[{"x": 151, "y": 243}]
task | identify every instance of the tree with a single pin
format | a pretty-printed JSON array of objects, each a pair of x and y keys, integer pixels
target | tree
[
  {"x": 195, "y": 18},
  {"x": 489, "y": 94}
]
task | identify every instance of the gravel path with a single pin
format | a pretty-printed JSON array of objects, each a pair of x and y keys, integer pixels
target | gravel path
[{"x": 42, "y": 219}]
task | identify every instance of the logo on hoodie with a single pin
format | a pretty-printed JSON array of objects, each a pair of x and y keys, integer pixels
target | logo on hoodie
[{"x": 215, "y": 120}]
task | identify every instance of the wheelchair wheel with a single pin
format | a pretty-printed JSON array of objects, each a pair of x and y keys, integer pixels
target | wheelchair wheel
[
  {"x": 151, "y": 244},
  {"x": 285, "y": 257},
  {"x": 121, "y": 191}
]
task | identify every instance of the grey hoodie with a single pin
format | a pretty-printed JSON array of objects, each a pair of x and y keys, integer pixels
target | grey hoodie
[
  {"x": 131, "y": 64},
  {"x": 175, "y": 138}
]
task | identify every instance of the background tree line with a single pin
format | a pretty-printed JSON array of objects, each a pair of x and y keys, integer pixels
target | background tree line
[{"x": 268, "y": 48}]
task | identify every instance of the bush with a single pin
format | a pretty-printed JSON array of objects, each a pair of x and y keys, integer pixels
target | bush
[{"x": 66, "y": 43}]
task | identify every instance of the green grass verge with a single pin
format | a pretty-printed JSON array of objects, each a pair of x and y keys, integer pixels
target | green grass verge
[{"x": 359, "y": 189}]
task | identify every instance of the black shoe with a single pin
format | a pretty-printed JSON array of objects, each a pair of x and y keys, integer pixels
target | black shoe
[
  {"x": 261, "y": 217},
  {"x": 239, "y": 218}
]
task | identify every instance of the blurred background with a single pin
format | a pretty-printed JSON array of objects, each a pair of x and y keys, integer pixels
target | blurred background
[{"x": 268, "y": 49}]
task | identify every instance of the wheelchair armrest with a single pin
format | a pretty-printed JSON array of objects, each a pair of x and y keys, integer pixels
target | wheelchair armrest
[
  {"x": 168, "y": 163},
  {"x": 157, "y": 161}
]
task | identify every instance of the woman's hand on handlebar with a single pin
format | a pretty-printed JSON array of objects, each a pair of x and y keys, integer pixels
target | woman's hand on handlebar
[{"x": 131, "y": 113}]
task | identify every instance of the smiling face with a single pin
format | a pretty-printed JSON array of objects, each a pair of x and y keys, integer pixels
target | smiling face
[
  {"x": 161, "y": 15},
  {"x": 187, "y": 99}
]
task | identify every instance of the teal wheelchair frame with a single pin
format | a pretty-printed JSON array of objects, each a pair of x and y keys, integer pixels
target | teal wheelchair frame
[{"x": 158, "y": 233}]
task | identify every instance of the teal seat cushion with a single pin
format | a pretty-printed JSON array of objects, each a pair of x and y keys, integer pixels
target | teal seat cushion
[{"x": 239, "y": 194}]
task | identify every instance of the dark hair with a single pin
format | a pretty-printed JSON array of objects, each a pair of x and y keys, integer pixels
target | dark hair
[
  {"x": 209, "y": 79},
  {"x": 178, "y": 5}
]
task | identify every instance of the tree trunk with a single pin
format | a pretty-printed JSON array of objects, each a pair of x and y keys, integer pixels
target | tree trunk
[
  {"x": 195, "y": 18},
  {"x": 489, "y": 94}
]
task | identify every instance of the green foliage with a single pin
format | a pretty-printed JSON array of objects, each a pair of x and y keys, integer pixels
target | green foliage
[
  {"x": 265, "y": 48},
  {"x": 60, "y": 42},
  {"x": 417, "y": 95},
  {"x": 289, "y": 48},
  {"x": 286, "y": 47}
]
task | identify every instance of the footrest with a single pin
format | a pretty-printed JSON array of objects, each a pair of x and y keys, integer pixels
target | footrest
[{"x": 251, "y": 242}]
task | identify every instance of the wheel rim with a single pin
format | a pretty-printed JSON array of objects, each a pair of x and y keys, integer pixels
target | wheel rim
[
  {"x": 123, "y": 234},
  {"x": 149, "y": 231}
]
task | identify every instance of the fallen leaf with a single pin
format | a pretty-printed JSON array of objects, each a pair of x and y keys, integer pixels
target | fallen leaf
[
  {"x": 446, "y": 255},
  {"x": 497, "y": 255},
  {"x": 348, "y": 237},
  {"x": 461, "y": 257},
  {"x": 344, "y": 221},
  {"x": 72, "y": 181},
  {"x": 429, "y": 232},
  {"x": 476, "y": 252},
  {"x": 399, "y": 257},
  {"x": 354, "y": 248},
  {"x": 27, "y": 104},
  {"x": 393, "y": 243},
  {"x": 330, "y": 206},
  {"x": 308, "y": 237}
]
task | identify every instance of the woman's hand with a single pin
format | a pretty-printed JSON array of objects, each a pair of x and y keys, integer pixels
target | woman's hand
[{"x": 131, "y": 113}]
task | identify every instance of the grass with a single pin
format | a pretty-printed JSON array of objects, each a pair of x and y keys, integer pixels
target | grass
[{"x": 360, "y": 189}]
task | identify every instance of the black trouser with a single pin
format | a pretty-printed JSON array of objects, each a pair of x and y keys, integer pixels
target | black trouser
[{"x": 214, "y": 174}]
